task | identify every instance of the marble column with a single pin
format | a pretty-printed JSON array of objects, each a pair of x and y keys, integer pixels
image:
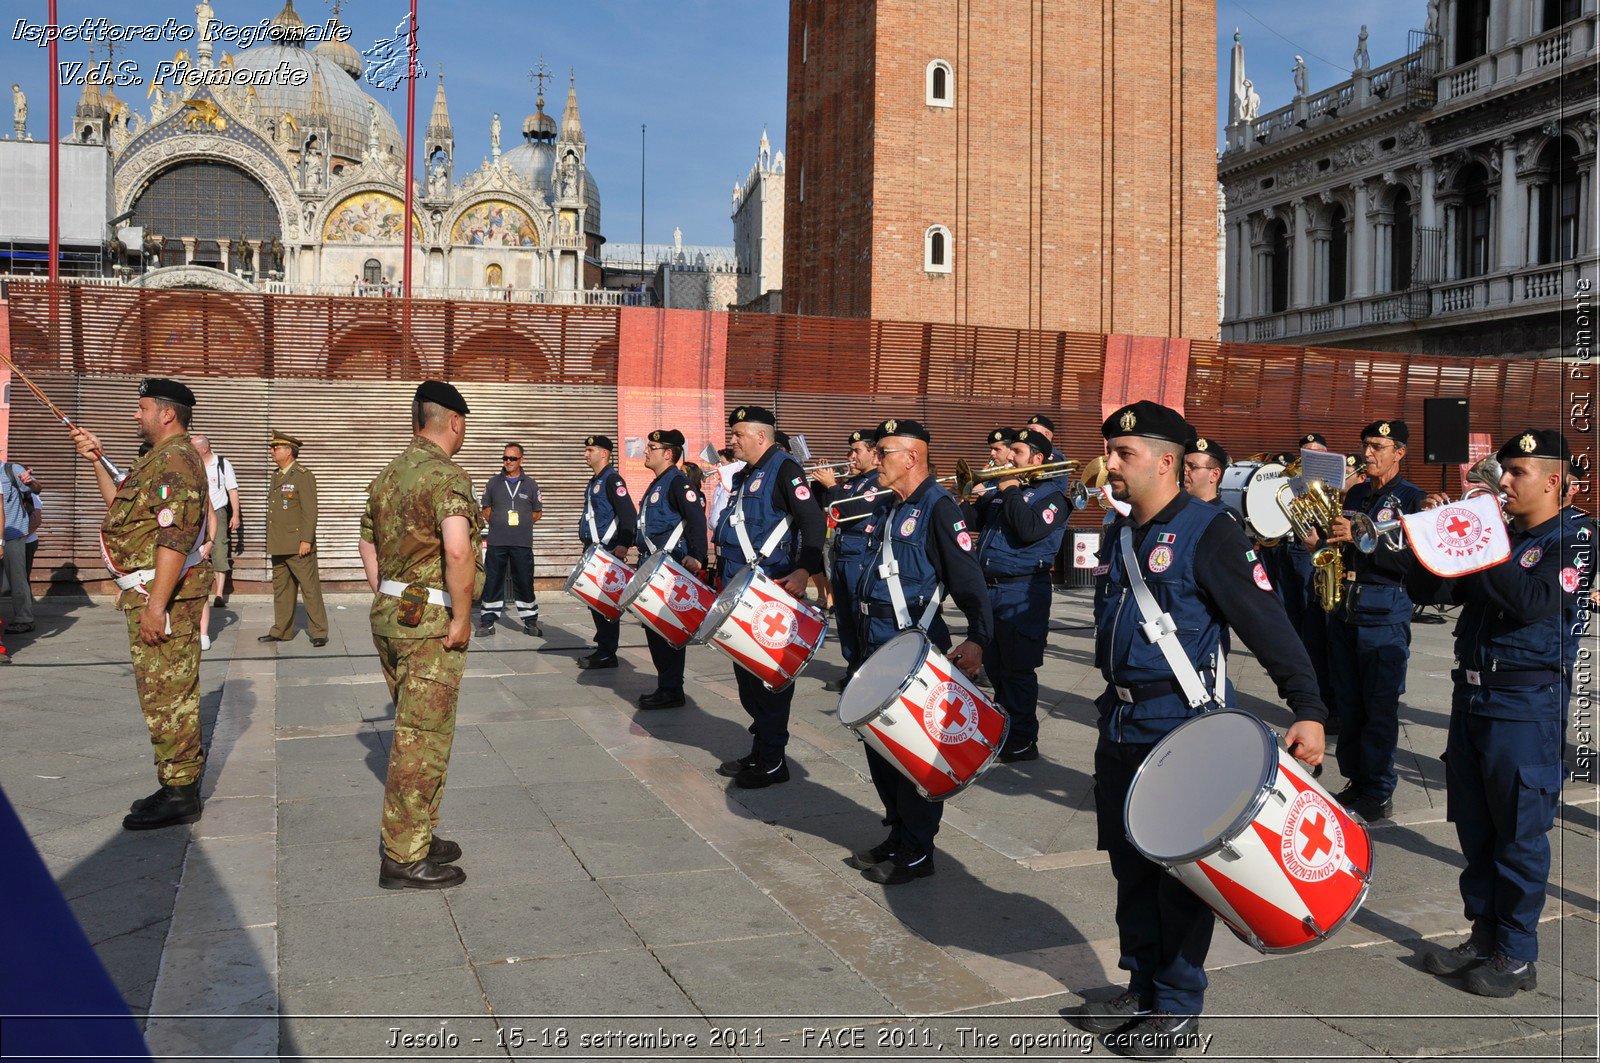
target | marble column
[
  {"x": 188, "y": 249},
  {"x": 1321, "y": 248},
  {"x": 1536, "y": 221},
  {"x": 255, "y": 259},
  {"x": 1451, "y": 270},
  {"x": 1230, "y": 271},
  {"x": 1300, "y": 271},
  {"x": 1245, "y": 302},
  {"x": 1382, "y": 250},
  {"x": 1512, "y": 212},
  {"x": 1361, "y": 245}
]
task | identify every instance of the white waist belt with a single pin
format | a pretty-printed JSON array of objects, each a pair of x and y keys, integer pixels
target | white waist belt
[
  {"x": 135, "y": 581},
  {"x": 394, "y": 589}
]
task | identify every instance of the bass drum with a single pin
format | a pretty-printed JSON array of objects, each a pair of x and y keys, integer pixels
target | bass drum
[{"x": 1250, "y": 489}]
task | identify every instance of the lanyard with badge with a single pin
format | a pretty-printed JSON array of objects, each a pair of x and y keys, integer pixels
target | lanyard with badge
[{"x": 513, "y": 518}]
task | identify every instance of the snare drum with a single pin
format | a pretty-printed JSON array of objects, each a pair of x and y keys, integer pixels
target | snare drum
[
  {"x": 929, "y": 720},
  {"x": 1245, "y": 826},
  {"x": 598, "y": 580},
  {"x": 668, "y": 598},
  {"x": 763, "y": 628},
  {"x": 1250, "y": 489}
]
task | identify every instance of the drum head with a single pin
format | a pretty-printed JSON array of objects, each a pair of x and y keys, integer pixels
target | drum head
[
  {"x": 1261, "y": 507},
  {"x": 1200, "y": 785},
  {"x": 732, "y": 591},
  {"x": 882, "y": 676},
  {"x": 641, "y": 578},
  {"x": 577, "y": 570}
]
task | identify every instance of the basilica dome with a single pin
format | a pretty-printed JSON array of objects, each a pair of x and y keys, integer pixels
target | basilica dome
[{"x": 535, "y": 161}]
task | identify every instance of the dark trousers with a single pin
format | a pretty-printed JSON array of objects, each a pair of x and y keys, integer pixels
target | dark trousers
[
  {"x": 769, "y": 717},
  {"x": 1163, "y": 929},
  {"x": 606, "y": 634},
  {"x": 515, "y": 563},
  {"x": 1296, "y": 582},
  {"x": 1013, "y": 657},
  {"x": 1503, "y": 782},
  {"x": 668, "y": 660},
  {"x": 1367, "y": 667},
  {"x": 912, "y": 819},
  {"x": 845, "y": 621}
]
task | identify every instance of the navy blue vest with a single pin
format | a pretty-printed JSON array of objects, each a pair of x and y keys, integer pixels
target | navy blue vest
[
  {"x": 850, "y": 541},
  {"x": 756, "y": 489},
  {"x": 1122, "y": 653},
  {"x": 657, "y": 518},
  {"x": 907, "y": 524},
  {"x": 1377, "y": 598},
  {"x": 1002, "y": 553},
  {"x": 598, "y": 498}
]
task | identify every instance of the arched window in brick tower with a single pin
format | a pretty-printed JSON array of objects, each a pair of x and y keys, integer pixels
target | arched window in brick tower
[
  {"x": 936, "y": 250},
  {"x": 941, "y": 84}
]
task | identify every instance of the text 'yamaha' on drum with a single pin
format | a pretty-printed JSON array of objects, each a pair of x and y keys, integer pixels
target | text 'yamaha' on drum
[
  {"x": 763, "y": 628},
  {"x": 598, "y": 580},
  {"x": 1245, "y": 826},
  {"x": 668, "y": 598},
  {"x": 1250, "y": 489},
  {"x": 929, "y": 720}
]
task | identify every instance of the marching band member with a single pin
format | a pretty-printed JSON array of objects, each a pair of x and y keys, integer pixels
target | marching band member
[
  {"x": 1369, "y": 637},
  {"x": 1503, "y": 769},
  {"x": 1021, "y": 528},
  {"x": 1047, "y": 428},
  {"x": 1296, "y": 581},
  {"x": 1198, "y": 567},
  {"x": 848, "y": 547},
  {"x": 1204, "y": 462},
  {"x": 923, "y": 551},
  {"x": 771, "y": 522},
  {"x": 609, "y": 520},
  {"x": 672, "y": 519}
]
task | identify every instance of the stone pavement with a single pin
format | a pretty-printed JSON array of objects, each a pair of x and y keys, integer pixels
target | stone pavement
[{"x": 618, "y": 889}]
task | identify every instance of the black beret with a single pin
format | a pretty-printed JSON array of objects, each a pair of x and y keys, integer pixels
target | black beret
[
  {"x": 726, "y": 453},
  {"x": 753, "y": 415},
  {"x": 1034, "y": 439},
  {"x": 158, "y": 387},
  {"x": 441, "y": 394},
  {"x": 1313, "y": 437},
  {"x": 868, "y": 436},
  {"x": 668, "y": 436},
  {"x": 1210, "y": 448},
  {"x": 598, "y": 441},
  {"x": 1283, "y": 457},
  {"x": 1149, "y": 419},
  {"x": 1395, "y": 430},
  {"x": 897, "y": 427},
  {"x": 1536, "y": 443},
  {"x": 780, "y": 437},
  {"x": 1043, "y": 422},
  {"x": 1003, "y": 435}
]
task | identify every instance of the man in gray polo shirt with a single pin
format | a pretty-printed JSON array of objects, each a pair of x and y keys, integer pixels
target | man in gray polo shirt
[{"x": 511, "y": 507}]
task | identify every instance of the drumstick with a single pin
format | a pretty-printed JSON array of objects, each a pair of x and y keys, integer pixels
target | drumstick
[{"x": 110, "y": 466}]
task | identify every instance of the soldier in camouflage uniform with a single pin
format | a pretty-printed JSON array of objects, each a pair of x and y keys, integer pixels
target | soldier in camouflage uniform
[
  {"x": 151, "y": 538},
  {"x": 419, "y": 539}
]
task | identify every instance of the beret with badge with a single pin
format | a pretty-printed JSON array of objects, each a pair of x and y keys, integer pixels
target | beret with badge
[
  {"x": 1003, "y": 435},
  {"x": 1395, "y": 431},
  {"x": 868, "y": 436},
  {"x": 752, "y": 415},
  {"x": 1042, "y": 421},
  {"x": 1150, "y": 420},
  {"x": 442, "y": 394},
  {"x": 669, "y": 437},
  {"x": 603, "y": 442},
  {"x": 1036, "y": 440},
  {"x": 1313, "y": 437},
  {"x": 1210, "y": 448},
  {"x": 158, "y": 387},
  {"x": 1536, "y": 443},
  {"x": 900, "y": 427}
]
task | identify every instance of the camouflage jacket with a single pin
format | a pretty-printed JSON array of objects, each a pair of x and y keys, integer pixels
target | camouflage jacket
[
  {"x": 406, "y": 508},
  {"x": 163, "y": 502}
]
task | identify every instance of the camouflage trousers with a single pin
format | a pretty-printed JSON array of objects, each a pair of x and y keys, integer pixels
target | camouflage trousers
[
  {"x": 424, "y": 679},
  {"x": 168, "y": 678}
]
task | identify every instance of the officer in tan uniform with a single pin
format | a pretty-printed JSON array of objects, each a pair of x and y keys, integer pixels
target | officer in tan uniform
[
  {"x": 292, "y": 543},
  {"x": 419, "y": 538},
  {"x": 151, "y": 538}
]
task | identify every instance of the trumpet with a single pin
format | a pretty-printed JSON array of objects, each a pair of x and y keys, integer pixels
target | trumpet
[
  {"x": 842, "y": 466},
  {"x": 967, "y": 477},
  {"x": 1483, "y": 478}
]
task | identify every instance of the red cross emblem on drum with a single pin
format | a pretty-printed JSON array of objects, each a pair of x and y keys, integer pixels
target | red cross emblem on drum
[
  {"x": 773, "y": 625},
  {"x": 950, "y": 713},
  {"x": 613, "y": 581},
  {"x": 1313, "y": 840},
  {"x": 681, "y": 598}
]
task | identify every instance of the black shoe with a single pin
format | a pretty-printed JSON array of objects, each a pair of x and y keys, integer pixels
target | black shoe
[
  {"x": 319, "y": 643},
  {"x": 421, "y": 874},
  {"x": 1459, "y": 960},
  {"x": 868, "y": 858},
  {"x": 484, "y": 628},
  {"x": 441, "y": 851},
  {"x": 1109, "y": 1016},
  {"x": 532, "y": 628},
  {"x": 1348, "y": 794},
  {"x": 1502, "y": 976},
  {"x": 1027, "y": 752},
  {"x": 269, "y": 638},
  {"x": 754, "y": 776},
  {"x": 1371, "y": 809},
  {"x": 662, "y": 699},
  {"x": 167, "y": 807},
  {"x": 730, "y": 768},
  {"x": 835, "y": 686},
  {"x": 902, "y": 867},
  {"x": 21, "y": 629},
  {"x": 596, "y": 661},
  {"x": 1158, "y": 1037}
]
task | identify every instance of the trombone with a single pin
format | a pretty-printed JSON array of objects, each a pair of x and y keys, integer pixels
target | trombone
[{"x": 967, "y": 477}]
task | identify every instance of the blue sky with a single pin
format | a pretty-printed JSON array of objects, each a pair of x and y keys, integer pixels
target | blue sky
[{"x": 704, "y": 75}]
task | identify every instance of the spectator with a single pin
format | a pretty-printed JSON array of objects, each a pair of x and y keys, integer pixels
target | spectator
[
  {"x": 223, "y": 485},
  {"x": 511, "y": 507},
  {"x": 35, "y": 519},
  {"x": 16, "y": 501}
]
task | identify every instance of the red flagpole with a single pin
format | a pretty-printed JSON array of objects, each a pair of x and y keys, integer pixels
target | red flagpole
[
  {"x": 53, "y": 117},
  {"x": 411, "y": 132}
]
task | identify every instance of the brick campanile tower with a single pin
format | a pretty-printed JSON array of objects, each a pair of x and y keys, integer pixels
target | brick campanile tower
[{"x": 1044, "y": 164}]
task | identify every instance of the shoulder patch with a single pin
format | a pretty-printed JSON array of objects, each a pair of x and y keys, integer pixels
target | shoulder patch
[
  {"x": 622, "y": 489},
  {"x": 1530, "y": 557},
  {"x": 1259, "y": 574},
  {"x": 689, "y": 494},
  {"x": 964, "y": 540},
  {"x": 1570, "y": 580}
]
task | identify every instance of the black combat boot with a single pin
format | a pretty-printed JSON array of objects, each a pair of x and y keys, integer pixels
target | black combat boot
[{"x": 167, "y": 807}]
